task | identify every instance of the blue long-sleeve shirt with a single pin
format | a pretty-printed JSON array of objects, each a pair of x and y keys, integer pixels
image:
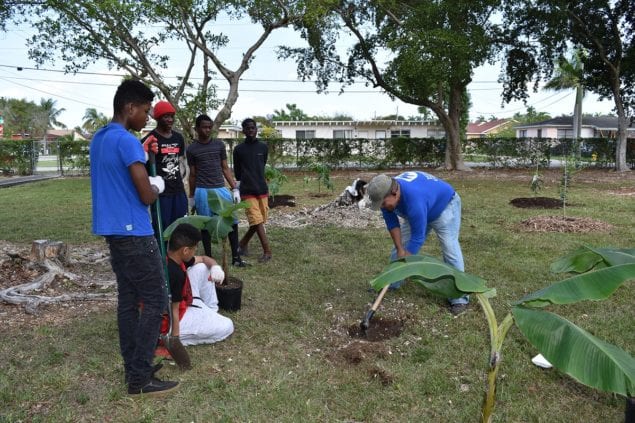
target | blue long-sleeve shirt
[{"x": 423, "y": 199}]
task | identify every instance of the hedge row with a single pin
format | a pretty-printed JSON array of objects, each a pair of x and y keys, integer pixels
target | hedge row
[{"x": 20, "y": 157}]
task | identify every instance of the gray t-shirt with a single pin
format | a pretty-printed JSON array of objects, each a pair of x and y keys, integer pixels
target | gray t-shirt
[{"x": 207, "y": 158}]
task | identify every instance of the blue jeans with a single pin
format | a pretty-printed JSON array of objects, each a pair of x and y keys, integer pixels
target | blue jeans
[
  {"x": 172, "y": 207},
  {"x": 142, "y": 299},
  {"x": 447, "y": 228}
]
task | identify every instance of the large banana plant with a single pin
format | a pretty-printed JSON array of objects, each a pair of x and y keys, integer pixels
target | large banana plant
[
  {"x": 569, "y": 348},
  {"x": 218, "y": 226}
]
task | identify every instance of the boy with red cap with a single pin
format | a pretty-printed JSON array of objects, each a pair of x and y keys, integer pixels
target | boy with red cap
[{"x": 170, "y": 164}]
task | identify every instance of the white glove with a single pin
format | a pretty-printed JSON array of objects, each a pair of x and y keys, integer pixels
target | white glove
[
  {"x": 236, "y": 195},
  {"x": 158, "y": 182},
  {"x": 190, "y": 202},
  {"x": 217, "y": 273}
]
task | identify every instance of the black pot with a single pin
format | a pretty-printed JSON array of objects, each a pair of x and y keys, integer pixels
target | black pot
[{"x": 229, "y": 295}]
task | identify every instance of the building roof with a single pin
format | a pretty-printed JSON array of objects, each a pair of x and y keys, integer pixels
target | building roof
[
  {"x": 481, "y": 128},
  {"x": 597, "y": 122}
]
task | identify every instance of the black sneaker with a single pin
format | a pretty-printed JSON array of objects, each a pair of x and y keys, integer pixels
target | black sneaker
[
  {"x": 154, "y": 387},
  {"x": 155, "y": 369},
  {"x": 238, "y": 262}
]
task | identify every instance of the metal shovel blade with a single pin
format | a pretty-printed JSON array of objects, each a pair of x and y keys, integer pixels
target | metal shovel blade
[
  {"x": 177, "y": 351},
  {"x": 365, "y": 323}
]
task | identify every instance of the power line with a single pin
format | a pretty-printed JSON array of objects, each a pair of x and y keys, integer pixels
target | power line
[
  {"x": 121, "y": 75},
  {"x": 47, "y": 92}
]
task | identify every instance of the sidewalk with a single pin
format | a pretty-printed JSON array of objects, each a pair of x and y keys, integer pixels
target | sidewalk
[{"x": 17, "y": 180}]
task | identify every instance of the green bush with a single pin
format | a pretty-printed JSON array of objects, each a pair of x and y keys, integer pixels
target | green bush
[
  {"x": 74, "y": 156},
  {"x": 18, "y": 156}
]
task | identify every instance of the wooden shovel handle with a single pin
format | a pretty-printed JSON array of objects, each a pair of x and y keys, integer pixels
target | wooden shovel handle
[{"x": 380, "y": 297}]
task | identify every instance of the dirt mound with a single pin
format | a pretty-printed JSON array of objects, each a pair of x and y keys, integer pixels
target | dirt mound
[
  {"x": 537, "y": 203},
  {"x": 563, "y": 224}
]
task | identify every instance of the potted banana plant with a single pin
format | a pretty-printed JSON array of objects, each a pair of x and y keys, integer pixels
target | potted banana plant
[
  {"x": 219, "y": 226},
  {"x": 598, "y": 273}
]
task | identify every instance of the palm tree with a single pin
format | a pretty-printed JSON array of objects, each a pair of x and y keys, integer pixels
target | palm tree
[
  {"x": 51, "y": 112},
  {"x": 569, "y": 75},
  {"x": 93, "y": 120}
]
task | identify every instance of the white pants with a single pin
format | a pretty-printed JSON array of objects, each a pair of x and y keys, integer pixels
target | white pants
[{"x": 201, "y": 323}]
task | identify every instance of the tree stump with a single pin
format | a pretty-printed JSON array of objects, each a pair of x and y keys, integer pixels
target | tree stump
[{"x": 42, "y": 249}]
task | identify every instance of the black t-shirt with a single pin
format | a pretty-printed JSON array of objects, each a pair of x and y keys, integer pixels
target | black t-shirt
[
  {"x": 250, "y": 158},
  {"x": 177, "y": 278},
  {"x": 167, "y": 161},
  {"x": 208, "y": 158}
]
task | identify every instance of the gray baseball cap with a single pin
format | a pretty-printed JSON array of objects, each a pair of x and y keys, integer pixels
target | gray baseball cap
[{"x": 378, "y": 189}]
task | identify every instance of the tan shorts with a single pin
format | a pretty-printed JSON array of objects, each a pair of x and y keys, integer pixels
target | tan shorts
[{"x": 258, "y": 210}]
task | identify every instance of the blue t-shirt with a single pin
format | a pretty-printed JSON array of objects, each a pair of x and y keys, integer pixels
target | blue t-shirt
[
  {"x": 423, "y": 199},
  {"x": 117, "y": 207}
]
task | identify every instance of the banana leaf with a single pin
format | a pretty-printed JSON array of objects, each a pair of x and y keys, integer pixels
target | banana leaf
[
  {"x": 199, "y": 222},
  {"x": 596, "y": 285},
  {"x": 433, "y": 274},
  {"x": 587, "y": 258},
  {"x": 222, "y": 207},
  {"x": 576, "y": 352}
]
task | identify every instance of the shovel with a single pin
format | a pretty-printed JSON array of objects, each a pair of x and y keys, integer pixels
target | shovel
[
  {"x": 369, "y": 315},
  {"x": 172, "y": 344}
]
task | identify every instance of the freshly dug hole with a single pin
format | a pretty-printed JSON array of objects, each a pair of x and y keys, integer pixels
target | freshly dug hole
[{"x": 379, "y": 329}]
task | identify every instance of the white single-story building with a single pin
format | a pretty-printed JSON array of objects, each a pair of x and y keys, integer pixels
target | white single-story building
[
  {"x": 562, "y": 127},
  {"x": 367, "y": 129}
]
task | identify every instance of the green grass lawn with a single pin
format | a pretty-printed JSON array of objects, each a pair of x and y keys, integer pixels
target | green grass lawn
[{"x": 284, "y": 362}]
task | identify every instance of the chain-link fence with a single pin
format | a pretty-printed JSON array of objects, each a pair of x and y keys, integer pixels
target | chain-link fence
[{"x": 66, "y": 157}]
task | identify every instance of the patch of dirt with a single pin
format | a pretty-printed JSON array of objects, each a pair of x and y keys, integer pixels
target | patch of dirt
[
  {"x": 379, "y": 329},
  {"x": 536, "y": 203},
  {"x": 93, "y": 275},
  {"x": 282, "y": 201},
  {"x": 563, "y": 224},
  {"x": 623, "y": 191},
  {"x": 358, "y": 351},
  {"x": 380, "y": 374}
]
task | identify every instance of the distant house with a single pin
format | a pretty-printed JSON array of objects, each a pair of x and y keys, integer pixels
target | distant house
[
  {"x": 229, "y": 131},
  {"x": 55, "y": 134},
  {"x": 562, "y": 127},
  {"x": 368, "y": 129},
  {"x": 483, "y": 129}
]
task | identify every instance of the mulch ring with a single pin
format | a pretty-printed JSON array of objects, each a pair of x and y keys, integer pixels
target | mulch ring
[{"x": 563, "y": 224}]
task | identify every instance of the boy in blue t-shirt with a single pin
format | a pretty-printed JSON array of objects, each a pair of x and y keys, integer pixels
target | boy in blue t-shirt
[
  {"x": 413, "y": 203},
  {"x": 121, "y": 193}
]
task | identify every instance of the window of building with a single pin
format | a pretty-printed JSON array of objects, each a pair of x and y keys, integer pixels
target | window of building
[
  {"x": 522, "y": 133},
  {"x": 380, "y": 135},
  {"x": 342, "y": 133},
  {"x": 565, "y": 133},
  {"x": 400, "y": 133},
  {"x": 303, "y": 134},
  {"x": 539, "y": 134}
]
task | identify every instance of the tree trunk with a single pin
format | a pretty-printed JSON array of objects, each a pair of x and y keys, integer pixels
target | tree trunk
[
  {"x": 42, "y": 249},
  {"x": 620, "y": 148},
  {"x": 452, "y": 126}
]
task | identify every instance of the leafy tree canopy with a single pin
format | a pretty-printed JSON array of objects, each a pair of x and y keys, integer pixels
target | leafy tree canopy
[
  {"x": 28, "y": 118},
  {"x": 131, "y": 36},
  {"x": 543, "y": 31},
  {"x": 432, "y": 50}
]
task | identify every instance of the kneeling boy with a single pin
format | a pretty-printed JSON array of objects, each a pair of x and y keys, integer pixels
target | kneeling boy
[{"x": 192, "y": 285}]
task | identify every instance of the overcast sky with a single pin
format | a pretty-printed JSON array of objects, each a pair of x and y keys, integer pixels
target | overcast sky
[{"x": 268, "y": 85}]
